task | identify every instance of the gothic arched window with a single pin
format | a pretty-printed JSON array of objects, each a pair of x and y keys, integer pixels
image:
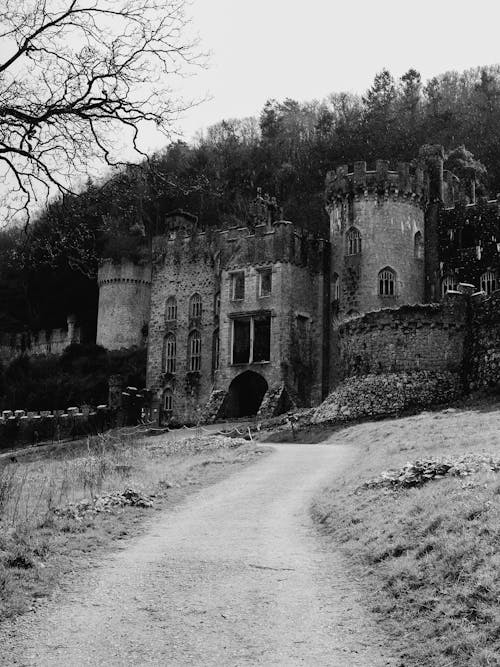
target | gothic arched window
[
  {"x": 194, "y": 351},
  {"x": 195, "y": 307},
  {"x": 488, "y": 282},
  {"x": 171, "y": 309},
  {"x": 169, "y": 355},
  {"x": 353, "y": 241},
  {"x": 387, "y": 282}
]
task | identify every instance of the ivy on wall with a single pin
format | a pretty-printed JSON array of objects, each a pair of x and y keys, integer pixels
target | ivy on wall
[{"x": 469, "y": 241}]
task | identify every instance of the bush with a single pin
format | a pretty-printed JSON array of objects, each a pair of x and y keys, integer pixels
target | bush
[{"x": 79, "y": 376}]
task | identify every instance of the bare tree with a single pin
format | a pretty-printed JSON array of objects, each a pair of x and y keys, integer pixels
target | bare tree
[{"x": 78, "y": 78}]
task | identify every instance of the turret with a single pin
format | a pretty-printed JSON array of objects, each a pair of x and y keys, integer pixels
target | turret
[
  {"x": 124, "y": 300},
  {"x": 377, "y": 236}
]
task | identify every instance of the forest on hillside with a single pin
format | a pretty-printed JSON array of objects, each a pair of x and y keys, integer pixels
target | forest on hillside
[{"x": 49, "y": 270}]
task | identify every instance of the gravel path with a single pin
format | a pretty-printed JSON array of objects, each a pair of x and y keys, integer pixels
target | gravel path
[{"x": 234, "y": 576}]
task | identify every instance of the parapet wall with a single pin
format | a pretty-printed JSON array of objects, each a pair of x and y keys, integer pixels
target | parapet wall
[
  {"x": 29, "y": 428},
  {"x": 32, "y": 344},
  {"x": 405, "y": 180},
  {"x": 418, "y": 337},
  {"x": 460, "y": 335},
  {"x": 238, "y": 247}
]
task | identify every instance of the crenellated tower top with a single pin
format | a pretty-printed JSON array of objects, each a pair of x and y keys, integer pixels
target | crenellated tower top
[{"x": 405, "y": 181}]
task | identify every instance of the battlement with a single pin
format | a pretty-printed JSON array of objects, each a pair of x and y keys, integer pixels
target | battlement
[
  {"x": 474, "y": 208},
  {"x": 124, "y": 271},
  {"x": 406, "y": 180},
  {"x": 265, "y": 243}
]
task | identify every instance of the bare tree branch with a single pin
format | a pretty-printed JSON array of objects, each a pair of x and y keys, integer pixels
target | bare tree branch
[{"x": 81, "y": 77}]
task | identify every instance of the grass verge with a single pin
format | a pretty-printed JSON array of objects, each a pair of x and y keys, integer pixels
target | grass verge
[
  {"x": 39, "y": 544},
  {"x": 430, "y": 555}
]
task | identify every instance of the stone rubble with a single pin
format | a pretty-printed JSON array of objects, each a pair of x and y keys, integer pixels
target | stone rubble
[{"x": 421, "y": 471}]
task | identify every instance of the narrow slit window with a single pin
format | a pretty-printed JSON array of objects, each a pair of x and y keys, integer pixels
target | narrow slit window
[
  {"x": 265, "y": 282},
  {"x": 419, "y": 246},
  {"x": 238, "y": 286},
  {"x": 168, "y": 402},
  {"x": 216, "y": 350},
  {"x": 336, "y": 287}
]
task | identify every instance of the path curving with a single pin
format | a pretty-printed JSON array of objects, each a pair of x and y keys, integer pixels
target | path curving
[{"x": 236, "y": 575}]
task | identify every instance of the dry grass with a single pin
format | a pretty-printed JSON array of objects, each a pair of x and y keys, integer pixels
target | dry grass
[
  {"x": 429, "y": 556},
  {"x": 37, "y": 547}
]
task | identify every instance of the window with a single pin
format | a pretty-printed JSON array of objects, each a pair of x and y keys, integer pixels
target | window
[
  {"x": 195, "y": 307},
  {"x": 448, "y": 283},
  {"x": 216, "y": 350},
  {"x": 265, "y": 282},
  {"x": 419, "y": 246},
  {"x": 353, "y": 241},
  {"x": 488, "y": 282},
  {"x": 387, "y": 282},
  {"x": 336, "y": 287},
  {"x": 251, "y": 339},
  {"x": 194, "y": 351},
  {"x": 237, "y": 286},
  {"x": 171, "y": 309},
  {"x": 217, "y": 305},
  {"x": 168, "y": 402},
  {"x": 169, "y": 354}
]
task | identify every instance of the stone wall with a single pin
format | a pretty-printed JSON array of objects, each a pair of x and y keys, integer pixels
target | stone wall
[
  {"x": 190, "y": 261},
  {"x": 182, "y": 266},
  {"x": 484, "y": 349},
  {"x": 29, "y": 428},
  {"x": 419, "y": 337},
  {"x": 37, "y": 343}
]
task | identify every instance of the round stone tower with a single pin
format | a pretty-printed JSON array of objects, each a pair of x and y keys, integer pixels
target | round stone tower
[
  {"x": 124, "y": 301},
  {"x": 377, "y": 237}
]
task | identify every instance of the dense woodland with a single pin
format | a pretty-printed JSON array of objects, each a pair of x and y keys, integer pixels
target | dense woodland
[{"x": 49, "y": 270}]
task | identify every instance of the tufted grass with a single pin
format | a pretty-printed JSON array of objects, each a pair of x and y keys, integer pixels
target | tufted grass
[
  {"x": 38, "y": 547},
  {"x": 429, "y": 557}
]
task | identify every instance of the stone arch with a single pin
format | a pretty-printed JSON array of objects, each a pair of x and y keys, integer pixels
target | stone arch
[{"x": 244, "y": 396}]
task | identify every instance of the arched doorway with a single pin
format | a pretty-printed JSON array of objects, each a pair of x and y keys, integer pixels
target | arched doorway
[{"x": 245, "y": 395}]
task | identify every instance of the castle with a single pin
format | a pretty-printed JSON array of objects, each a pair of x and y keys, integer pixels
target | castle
[{"x": 245, "y": 320}]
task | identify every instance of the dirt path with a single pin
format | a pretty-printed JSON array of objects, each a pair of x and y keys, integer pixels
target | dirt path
[{"x": 234, "y": 576}]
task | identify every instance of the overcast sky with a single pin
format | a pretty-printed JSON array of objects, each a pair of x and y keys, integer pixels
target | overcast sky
[{"x": 305, "y": 50}]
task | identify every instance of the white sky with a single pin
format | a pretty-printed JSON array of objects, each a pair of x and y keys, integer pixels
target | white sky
[{"x": 305, "y": 50}]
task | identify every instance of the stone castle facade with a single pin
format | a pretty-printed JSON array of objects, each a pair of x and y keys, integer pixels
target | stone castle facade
[{"x": 246, "y": 320}]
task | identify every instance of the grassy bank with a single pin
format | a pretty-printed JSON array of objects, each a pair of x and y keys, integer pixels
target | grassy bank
[
  {"x": 428, "y": 554},
  {"x": 59, "y": 512}
]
